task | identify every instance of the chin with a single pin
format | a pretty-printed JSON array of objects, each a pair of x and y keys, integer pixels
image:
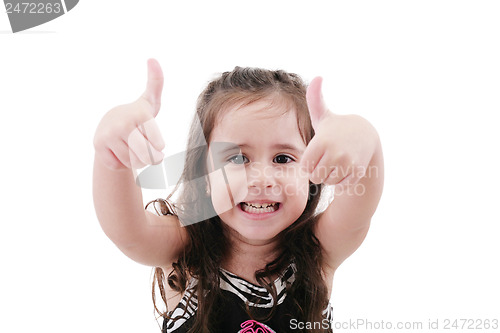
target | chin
[{"x": 256, "y": 233}]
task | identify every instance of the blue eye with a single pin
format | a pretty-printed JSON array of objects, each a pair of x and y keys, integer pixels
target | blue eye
[
  {"x": 282, "y": 159},
  {"x": 238, "y": 159}
]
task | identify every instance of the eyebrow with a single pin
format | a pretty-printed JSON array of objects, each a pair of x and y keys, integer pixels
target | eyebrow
[{"x": 278, "y": 146}]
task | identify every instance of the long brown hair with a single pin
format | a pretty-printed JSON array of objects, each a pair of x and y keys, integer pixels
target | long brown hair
[{"x": 207, "y": 245}]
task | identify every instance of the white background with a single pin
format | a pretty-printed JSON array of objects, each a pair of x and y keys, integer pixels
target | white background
[{"x": 425, "y": 73}]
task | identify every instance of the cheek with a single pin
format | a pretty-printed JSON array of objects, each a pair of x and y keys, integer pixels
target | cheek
[
  {"x": 228, "y": 187},
  {"x": 297, "y": 193},
  {"x": 296, "y": 185},
  {"x": 300, "y": 198},
  {"x": 237, "y": 183}
]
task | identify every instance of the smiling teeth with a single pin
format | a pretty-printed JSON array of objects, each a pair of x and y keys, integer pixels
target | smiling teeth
[{"x": 255, "y": 208}]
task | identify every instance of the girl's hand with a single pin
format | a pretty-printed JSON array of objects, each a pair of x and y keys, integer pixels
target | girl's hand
[
  {"x": 342, "y": 147},
  {"x": 346, "y": 152},
  {"x": 128, "y": 136}
]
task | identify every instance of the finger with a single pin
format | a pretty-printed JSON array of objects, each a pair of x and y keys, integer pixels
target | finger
[
  {"x": 353, "y": 177},
  {"x": 315, "y": 101},
  {"x": 109, "y": 159},
  {"x": 311, "y": 156},
  {"x": 322, "y": 171},
  {"x": 347, "y": 180},
  {"x": 152, "y": 133},
  {"x": 135, "y": 161},
  {"x": 154, "y": 85},
  {"x": 143, "y": 149},
  {"x": 336, "y": 177},
  {"x": 119, "y": 151},
  {"x": 343, "y": 175}
]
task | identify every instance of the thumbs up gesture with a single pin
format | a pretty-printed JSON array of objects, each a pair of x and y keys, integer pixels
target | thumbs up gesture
[
  {"x": 342, "y": 147},
  {"x": 128, "y": 135}
]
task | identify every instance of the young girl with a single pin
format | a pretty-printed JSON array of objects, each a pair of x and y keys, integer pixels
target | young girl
[{"x": 242, "y": 248}]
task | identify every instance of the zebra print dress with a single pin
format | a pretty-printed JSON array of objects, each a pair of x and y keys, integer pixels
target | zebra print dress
[{"x": 237, "y": 292}]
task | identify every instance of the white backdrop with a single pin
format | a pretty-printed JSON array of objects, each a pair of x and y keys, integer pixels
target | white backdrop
[{"x": 425, "y": 73}]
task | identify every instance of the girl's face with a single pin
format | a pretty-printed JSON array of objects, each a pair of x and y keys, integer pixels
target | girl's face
[{"x": 261, "y": 189}]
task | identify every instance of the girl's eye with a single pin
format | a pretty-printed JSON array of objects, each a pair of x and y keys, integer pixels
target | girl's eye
[
  {"x": 281, "y": 159},
  {"x": 238, "y": 159}
]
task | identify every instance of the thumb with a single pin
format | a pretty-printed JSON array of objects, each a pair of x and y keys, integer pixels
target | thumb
[
  {"x": 315, "y": 102},
  {"x": 154, "y": 85}
]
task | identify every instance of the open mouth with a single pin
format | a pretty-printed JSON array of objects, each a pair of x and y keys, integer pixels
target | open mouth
[{"x": 259, "y": 208}]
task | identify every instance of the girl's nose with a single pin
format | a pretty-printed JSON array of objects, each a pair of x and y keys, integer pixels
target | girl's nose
[{"x": 261, "y": 175}]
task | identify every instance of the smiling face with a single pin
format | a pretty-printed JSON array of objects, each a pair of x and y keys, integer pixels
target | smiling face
[{"x": 262, "y": 189}]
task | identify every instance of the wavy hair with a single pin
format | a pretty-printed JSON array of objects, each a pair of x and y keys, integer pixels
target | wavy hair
[{"x": 207, "y": 244}]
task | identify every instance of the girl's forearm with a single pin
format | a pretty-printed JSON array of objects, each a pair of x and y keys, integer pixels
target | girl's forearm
[{"x": 118, "y": 203}]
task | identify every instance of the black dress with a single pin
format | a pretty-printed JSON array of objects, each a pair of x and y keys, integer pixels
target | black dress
[{"x": 233, "y": 318}]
